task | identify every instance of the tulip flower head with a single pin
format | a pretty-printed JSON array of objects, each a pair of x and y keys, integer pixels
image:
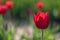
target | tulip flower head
[
  {"x": 41, "y": 20},
  {"x": 40, "y": 5},
  {"x": 3, "y": 9},
  {"x": 9, "y": 4}
]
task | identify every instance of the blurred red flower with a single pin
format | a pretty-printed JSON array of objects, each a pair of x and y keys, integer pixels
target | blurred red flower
[
  {"x": 9, "y": 4},
  {"x": 40, "y": 5},
  {"x": 41, "y": 20},
  {"x": 3, "y": 10}
]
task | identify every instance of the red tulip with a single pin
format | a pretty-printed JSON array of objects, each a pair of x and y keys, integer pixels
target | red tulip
[
  {"x": 3, "y": 10},
  {"x": 40, "y": 5},
  {"x": 9, "y": 4},
  {"x": 0, "y": 9},
  {"x": 41, "y": 20}
]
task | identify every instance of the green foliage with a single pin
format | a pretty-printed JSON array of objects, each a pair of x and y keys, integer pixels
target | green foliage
[
  {"x": 10, "y": 35},
  {"x": 5, "y": 35},
  {"x": 1, "y": 31},
  {"x": 20, "y": 7},
  {"x": 47, "y": 34},
  {"x": 24, "y": 37}
]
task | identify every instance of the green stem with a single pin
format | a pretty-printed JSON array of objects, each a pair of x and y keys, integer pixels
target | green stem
[{"x": 42, "y": 34}]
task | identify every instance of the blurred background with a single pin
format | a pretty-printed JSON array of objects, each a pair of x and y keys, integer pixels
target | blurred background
[{"x": 18, "y": 22}]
